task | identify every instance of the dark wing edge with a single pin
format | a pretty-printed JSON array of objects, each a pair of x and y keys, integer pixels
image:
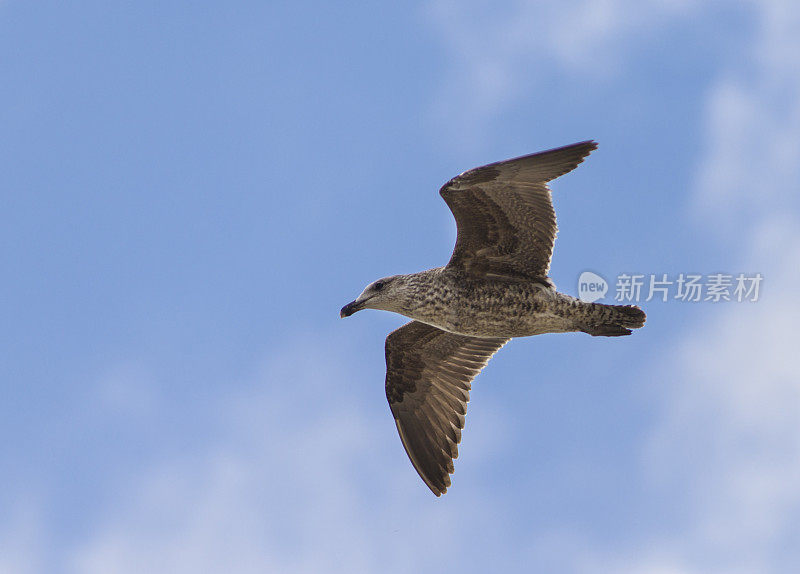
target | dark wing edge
[
  {"x": 428, "y": 378},
  {"x": 539, "y": 167}
]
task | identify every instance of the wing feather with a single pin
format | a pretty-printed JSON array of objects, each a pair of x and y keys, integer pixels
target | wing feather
[
  {"x": 428, "y": 378},
  {"x": 504, "y": 213}
]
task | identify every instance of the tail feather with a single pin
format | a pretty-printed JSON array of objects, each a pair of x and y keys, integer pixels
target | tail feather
[{"x": 613, "y": 320}]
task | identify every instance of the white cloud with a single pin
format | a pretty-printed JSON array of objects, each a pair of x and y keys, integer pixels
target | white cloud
[
  {"x": 728, "y": 431},
  {"x": 726, "y": 444},
  {"x": 290, "y": 483},
  {"x": 729, "y": 427},
  {"x": 271, "y": 478},
  {"x": 499, "y": 53},
  {"x": 278, "y": 491},
  {"x": 753, "y": 158}
]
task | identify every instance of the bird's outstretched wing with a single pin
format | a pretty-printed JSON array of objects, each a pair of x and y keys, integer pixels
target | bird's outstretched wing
[
  {"x": 504, "y": 213},
  {"x": 428, "y": 378}
]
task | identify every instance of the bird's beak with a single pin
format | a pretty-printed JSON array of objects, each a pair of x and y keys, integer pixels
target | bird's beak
[{"x": 349, "y": 309}]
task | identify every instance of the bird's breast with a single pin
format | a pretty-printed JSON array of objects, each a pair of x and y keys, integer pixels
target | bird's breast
[{"x": 489, "y": 309}]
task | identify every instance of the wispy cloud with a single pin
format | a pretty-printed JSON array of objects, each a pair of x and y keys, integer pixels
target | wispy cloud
[
  {"x": 247, "y": 500},
  {"x": 725, "y": 444},
  {"x": 286, "y": 485},
  {"x": 500, "y": 53},
  {"x": 728, "y": 431},
  {"x": 302, "y": 473},
  {"x": 727, "y": 435},
  {"x": 752, "y": 163}
]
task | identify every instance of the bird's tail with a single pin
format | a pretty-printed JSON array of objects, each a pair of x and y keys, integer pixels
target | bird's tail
[{"x": 612, "y": 320}]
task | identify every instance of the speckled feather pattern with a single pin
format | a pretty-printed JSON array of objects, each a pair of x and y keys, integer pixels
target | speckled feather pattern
[{"x": 505, "y": 307}]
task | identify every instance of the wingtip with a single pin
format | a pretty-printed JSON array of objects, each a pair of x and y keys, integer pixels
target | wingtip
[
  {"x": 590, "y": 145},
  {"x": 438, "y": 491},
  {"x": 585, "y": 143}
]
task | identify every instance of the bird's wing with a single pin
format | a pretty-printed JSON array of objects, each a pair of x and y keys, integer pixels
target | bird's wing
[
  {"x": 504, "y": 213},
  {"x": 428, "y": 378}
]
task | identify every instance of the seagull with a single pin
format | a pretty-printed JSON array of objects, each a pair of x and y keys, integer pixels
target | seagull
[{"x": 495, "y": 287}]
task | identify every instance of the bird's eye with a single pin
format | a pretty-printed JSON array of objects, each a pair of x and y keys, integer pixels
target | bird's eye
[{"x": 378, "y": 286}]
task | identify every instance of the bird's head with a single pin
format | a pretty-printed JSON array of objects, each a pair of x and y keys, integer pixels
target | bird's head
[{"x": 380, "y": 294}]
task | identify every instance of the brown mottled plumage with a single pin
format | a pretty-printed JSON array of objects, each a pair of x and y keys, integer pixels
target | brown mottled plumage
[{"x": 495, "y": 287}]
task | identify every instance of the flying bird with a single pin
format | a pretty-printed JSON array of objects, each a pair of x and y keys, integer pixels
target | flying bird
[{"x": 494, "y": 287}]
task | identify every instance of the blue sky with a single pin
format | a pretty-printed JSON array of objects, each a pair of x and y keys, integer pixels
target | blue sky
[{"x": 191, "y": 191}]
